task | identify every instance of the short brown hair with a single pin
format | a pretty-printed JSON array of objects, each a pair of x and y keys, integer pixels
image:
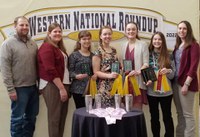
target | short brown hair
[{"x": 17, "y": 18}]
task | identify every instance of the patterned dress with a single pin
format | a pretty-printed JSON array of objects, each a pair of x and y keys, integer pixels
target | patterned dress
[
  {"x": 76, "y": 59},
  {"x": 104, "y": 86}
]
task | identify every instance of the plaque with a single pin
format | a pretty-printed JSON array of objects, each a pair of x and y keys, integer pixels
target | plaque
[
  {"x": 127, "y": 65},
  {"x": 115, "y": 67},
  {"x": 148, "y": 74},
  {"x": 86, "y": 69}
]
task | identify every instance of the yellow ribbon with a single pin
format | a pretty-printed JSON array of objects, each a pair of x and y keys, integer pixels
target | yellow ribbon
[
  {"x": 93, "y": 87},
  {"x": 134, "y": 83},
  {"x": 117, "y": 86},
  {"x": 164, "y": 84},
  {"x": 126, "y": 86}
]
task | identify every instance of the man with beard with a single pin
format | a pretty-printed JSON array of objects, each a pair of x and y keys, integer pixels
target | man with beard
[{"x": 19, "y": 71}]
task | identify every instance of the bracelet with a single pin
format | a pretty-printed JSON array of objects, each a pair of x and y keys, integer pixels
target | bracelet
[{"x": 187, "y": 84}]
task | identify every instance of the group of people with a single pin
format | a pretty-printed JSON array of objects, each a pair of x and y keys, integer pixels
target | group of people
[{"x": 60, "y": 75}]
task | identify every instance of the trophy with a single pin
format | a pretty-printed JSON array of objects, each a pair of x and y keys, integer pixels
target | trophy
[
  {"x": 127, "y": 65},
  {"x": 148, "y": 74},
  {"x": 115, "y": 67}
]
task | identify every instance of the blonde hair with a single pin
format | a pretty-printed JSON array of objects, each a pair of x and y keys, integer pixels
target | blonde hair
[{"x": 100, "y": 32}]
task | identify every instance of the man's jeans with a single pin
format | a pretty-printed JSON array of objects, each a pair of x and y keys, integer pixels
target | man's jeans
[{"x": 24, "y": 111}]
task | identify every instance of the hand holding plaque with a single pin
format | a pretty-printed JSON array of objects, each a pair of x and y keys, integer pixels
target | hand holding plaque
[
  {"x": 148, "y": 74},
  {"x": 127, "y": 65},
  {"x": 115, "y": 67},
  {"x": 86, "y": 69}
]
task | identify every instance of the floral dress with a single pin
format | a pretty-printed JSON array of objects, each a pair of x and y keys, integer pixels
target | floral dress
[{"x": 104, "y": 86}]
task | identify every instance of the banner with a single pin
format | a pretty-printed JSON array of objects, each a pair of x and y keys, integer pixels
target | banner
[{"x": 75, "y": 19}]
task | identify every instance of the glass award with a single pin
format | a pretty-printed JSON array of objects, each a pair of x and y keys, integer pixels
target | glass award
[
  {"x": 129, "y": 102},
  {"x": 88, "y": 102},
  {"x": 117, "y": 98},
  {"x": 86, "y": 69},
  {"x": 115, "y": 67},
  {"x": 148, "y": 74},
  {"x": 127, "y": 65},
  {"x": 97, "y": 100}
]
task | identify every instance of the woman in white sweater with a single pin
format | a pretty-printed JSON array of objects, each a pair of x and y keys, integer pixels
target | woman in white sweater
[{"x": 136, "y": 51}]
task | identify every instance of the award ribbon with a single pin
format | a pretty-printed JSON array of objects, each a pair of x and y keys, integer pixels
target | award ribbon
[
  {"x": 134, "y": 83},
  {"x": 93, "y": 87},
  {"x": 117, "y": 86},
  {"x": 165, "y": 84},
  {"x": 126, "y": 86},
  {"x": 161, "y": 82}
]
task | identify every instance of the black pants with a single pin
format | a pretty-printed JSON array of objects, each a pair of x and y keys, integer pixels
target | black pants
[
  {"x": 79, "y": 100},
  {"x": 165, "y": 103}
]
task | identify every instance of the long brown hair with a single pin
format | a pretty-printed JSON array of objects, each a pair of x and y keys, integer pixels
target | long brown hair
[
  {"x": 189, "y": 36},
  {"x": 82, "y": 34},
  {"x": 137, "y": 37},
  {"x": 47, "y": 39},
  {"x": 164, "y": 59},
  {"x": 100, "y": 32}
]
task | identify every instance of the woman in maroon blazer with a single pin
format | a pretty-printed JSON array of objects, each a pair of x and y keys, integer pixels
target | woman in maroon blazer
[
  {"x": 186, "y": 54},
  {"x": 54, "y": 79}
]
